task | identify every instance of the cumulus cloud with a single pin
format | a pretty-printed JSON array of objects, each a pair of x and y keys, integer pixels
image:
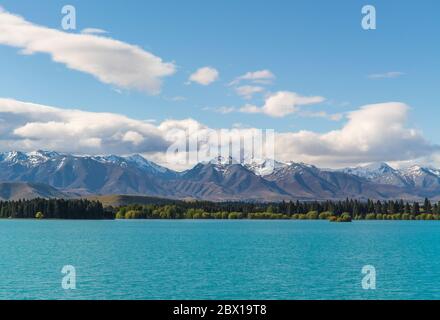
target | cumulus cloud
[
  {"x": 93, "y": 31},
  {"x": 282, "y": 103},
  {"x": 29, "y": 126},
  {"x": 375, "y": 132},
  {"x": 261, "y": 76},
  {"x": 372, "y": 133},
  {"x": 110, "y": 61},
  {"x": 250, "y": 108},
  {"x": 204, "y": 76},
  {"x": 247, "y": 92}
]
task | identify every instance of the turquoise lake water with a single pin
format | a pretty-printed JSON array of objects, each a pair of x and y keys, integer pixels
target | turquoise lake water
[{"x": 219, "y": 259}]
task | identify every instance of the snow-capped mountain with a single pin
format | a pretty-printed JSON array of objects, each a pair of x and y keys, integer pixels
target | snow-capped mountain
[
  {"x": 380, "y": 173},
  {"x": 422, "y": 177},
  {"x": 219, "y": 179},
  {"x": 85, "y": 174},
  {"x": 30, "y": 159},
  {"x": 370, "y": 171},
  {"x": 37, "y": 158},
  {"x": 221, "y": 164},
  {"x": 411, "y": 177},
  {"x": 134, "y": 160},
  {"x": 265, "y": 167}
]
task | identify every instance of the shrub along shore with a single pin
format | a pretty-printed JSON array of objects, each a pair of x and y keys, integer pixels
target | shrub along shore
[{"x": 334, "y": 211}]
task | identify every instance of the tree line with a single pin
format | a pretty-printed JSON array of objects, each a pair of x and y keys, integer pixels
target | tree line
[
  {"x": 343, "y": 210},
  {"x": 54, "y": 209},
  {"x": 333, "y": 210}
]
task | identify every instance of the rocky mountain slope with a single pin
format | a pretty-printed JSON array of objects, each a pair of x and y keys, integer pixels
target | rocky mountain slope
[
  {"x": 27, "y": 190},
  {"x": 217, "y": 180}
]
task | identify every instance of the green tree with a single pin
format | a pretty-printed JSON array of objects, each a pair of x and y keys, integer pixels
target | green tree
[
  {"x": 39, "y": 215},
  {"x": 415, "y": 210},
  {"x": 427, "y": 207}
]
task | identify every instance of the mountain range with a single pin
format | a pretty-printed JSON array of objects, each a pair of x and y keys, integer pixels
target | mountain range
[
  {"x": 51, "y": 174},
  {"x": 27, "y": 190}
]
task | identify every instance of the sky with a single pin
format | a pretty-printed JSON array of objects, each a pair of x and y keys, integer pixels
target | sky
[{"x": 133, "y": 72}]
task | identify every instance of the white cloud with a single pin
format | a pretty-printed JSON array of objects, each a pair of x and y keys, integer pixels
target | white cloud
[
  {"x": 323, "y": 114},
  {"x": 247, "y": 92},
  {"x": 31, "y": 126},
  {"x": 204, "y": 76},
  {"x": 110, "y": 61},
  {"x": 261, "y": 76},
  {"x": 386, "y": 75},
  {"x": 222, "y": 110},
  {"x": 133, "y": 136},
  {"x": 282, "y": 103},
  {"x": 372, "y": 133},
  {"x": 250, "y": 108},
  {"x": 93, "y": 31}
]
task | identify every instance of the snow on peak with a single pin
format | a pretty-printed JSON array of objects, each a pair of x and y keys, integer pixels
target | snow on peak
[
  {"x": 383, "y": 173},
  {"x": 220, "y": 163},
  {"x": 38, "y": 157},
  {"x": 14, "y": 156},
  {"x": 418, "y": 171},
  {"x": 141, "y": 162},
  {"x": 264, "y": 167},
  {"x": 378, "y": 166},
  {"x": 220, "y": 160},
  {"x": 371, "y": 171},
  {"x": 29, "y": 159}
]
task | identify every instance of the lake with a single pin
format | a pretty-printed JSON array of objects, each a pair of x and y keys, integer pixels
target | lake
[{"x": 162, "y": 259}]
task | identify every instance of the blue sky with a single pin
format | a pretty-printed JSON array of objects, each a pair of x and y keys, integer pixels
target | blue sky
[{"x": 313, "y": 48}]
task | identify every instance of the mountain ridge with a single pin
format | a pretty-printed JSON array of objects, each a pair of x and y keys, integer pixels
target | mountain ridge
[
  {"x": 27, "y": 190},
  {"x": 217, "y": 180}
]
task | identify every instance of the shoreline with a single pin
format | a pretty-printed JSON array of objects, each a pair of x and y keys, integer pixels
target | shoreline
[{"x": 201, "y": 219}]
